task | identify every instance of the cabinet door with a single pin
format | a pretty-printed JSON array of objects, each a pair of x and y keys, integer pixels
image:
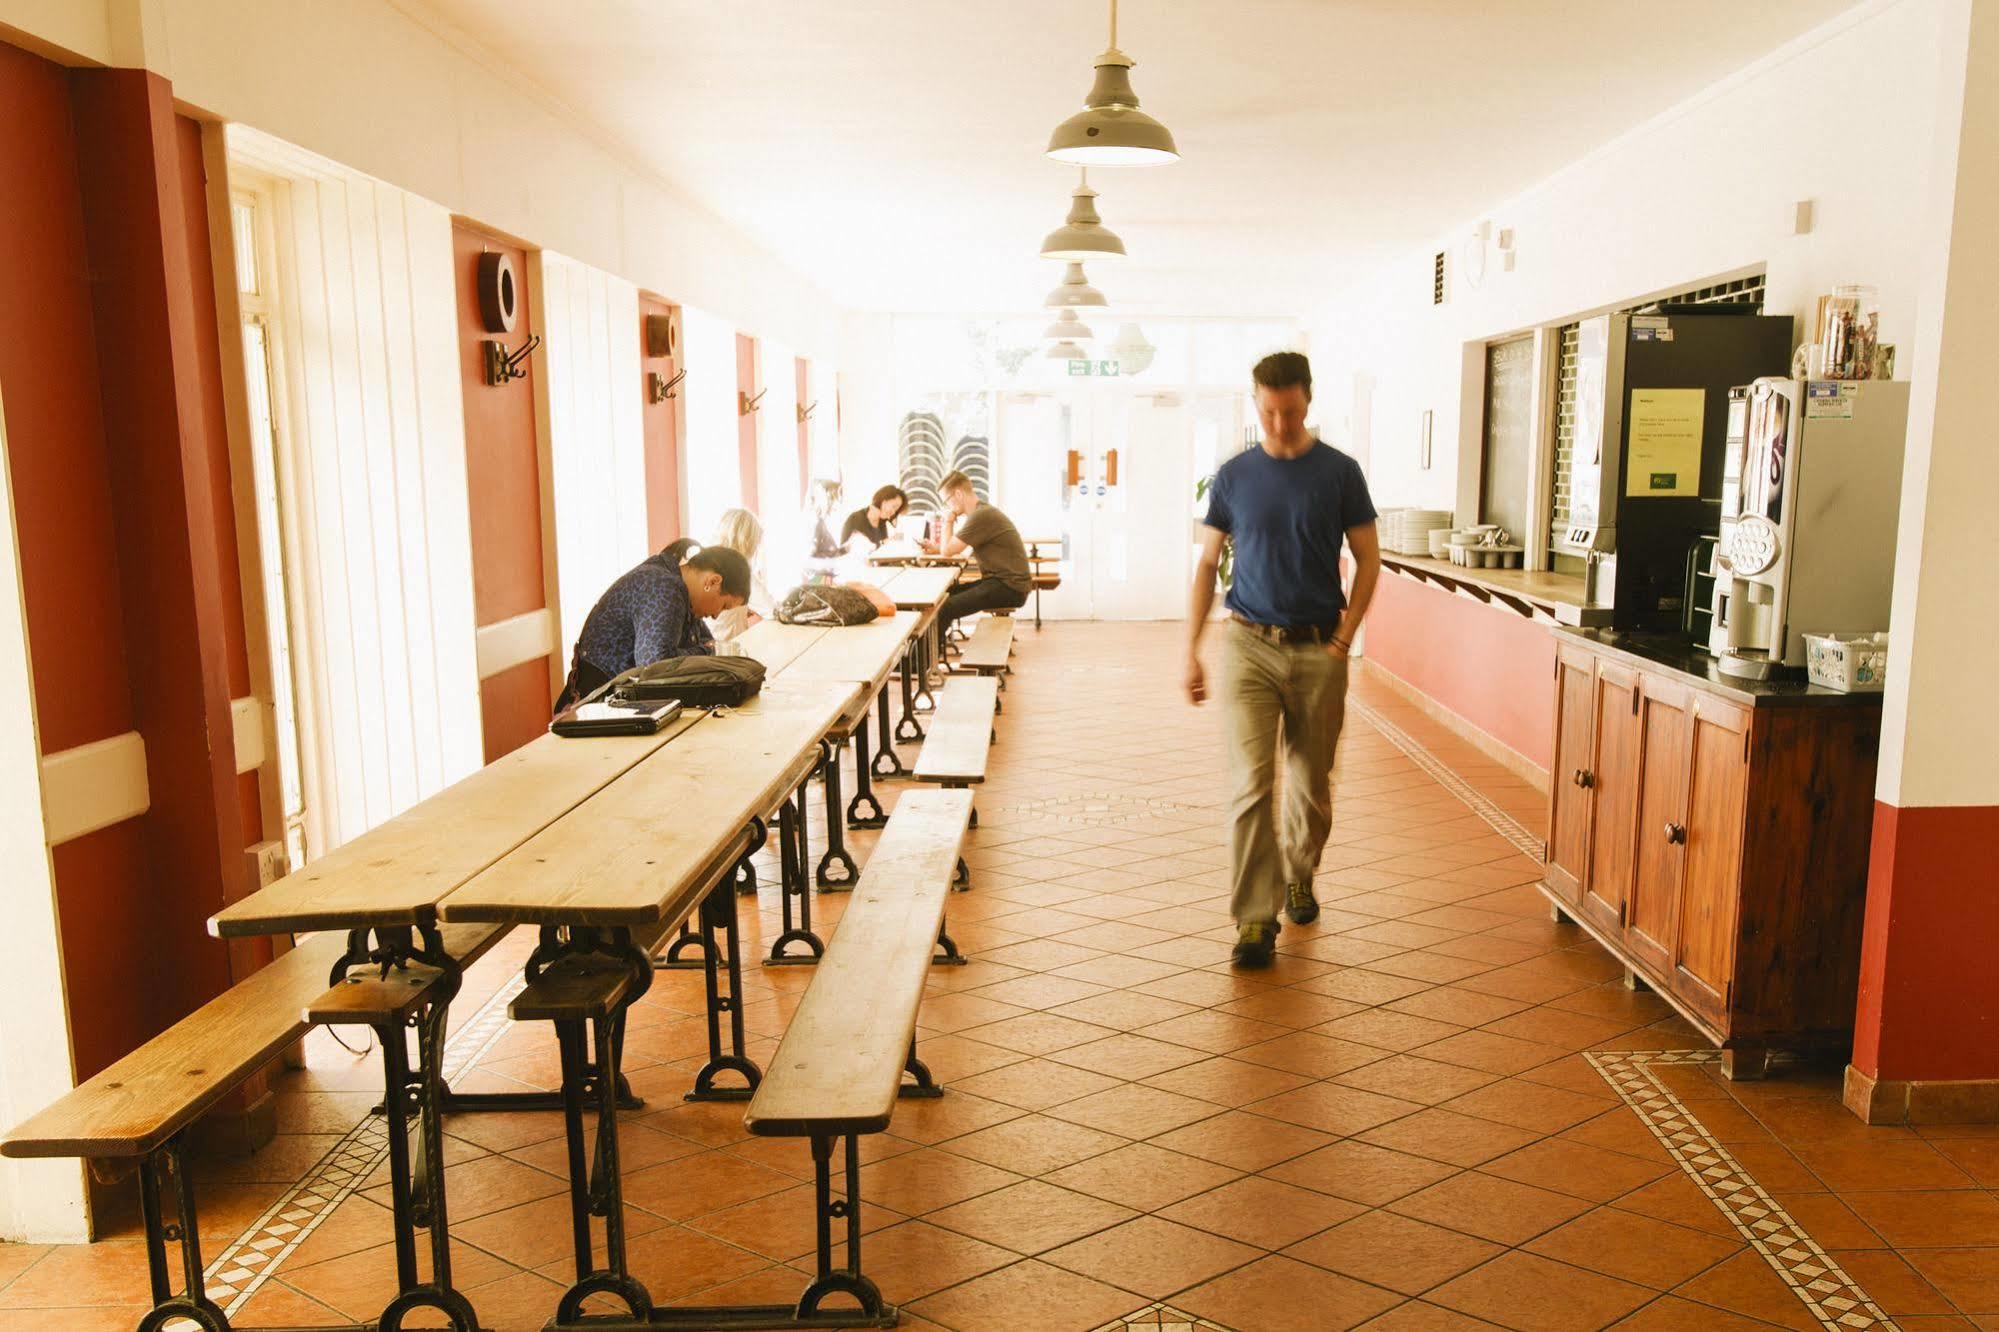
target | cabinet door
[
  {"x": 1614, "y": 786},
  {"x": 1717, "y": 794},
  {"x": 1569, "y": 798},
  {"x": 1660, "y": 822}
]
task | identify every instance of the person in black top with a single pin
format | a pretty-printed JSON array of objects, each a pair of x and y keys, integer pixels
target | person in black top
[
  {"x": 873, "y": 521},
  {"x": 654, "y": 611}
]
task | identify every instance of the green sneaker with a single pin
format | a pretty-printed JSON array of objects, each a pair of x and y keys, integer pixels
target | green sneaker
[
  {"x": 1255, "y": 945},
  {"x": 1300, "y": 905}
]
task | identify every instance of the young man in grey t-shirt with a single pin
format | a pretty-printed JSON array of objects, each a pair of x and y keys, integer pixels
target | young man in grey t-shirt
[{"x": 994, "y": 542}]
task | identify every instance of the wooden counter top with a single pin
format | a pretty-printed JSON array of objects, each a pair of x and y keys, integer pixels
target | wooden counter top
[{"x": 1553, "y": 596}]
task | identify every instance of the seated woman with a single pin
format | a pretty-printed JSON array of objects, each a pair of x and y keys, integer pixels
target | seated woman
[
  {"x": 739, "y": 530},
  {"x": 872, "y": 523},
  {"x": 823, "y": 496},
  {"x": 654, "y": 611}
]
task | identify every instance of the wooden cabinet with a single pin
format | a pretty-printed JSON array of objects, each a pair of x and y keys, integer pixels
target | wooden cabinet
[{"x": 1716, "y": 842}]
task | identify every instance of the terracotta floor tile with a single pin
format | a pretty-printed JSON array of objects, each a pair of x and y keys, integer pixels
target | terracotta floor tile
[
  {"x": 354, "y": 1225},
  {"x": 1388, "y": 1030},
  {"x": 1201, "y": 988},
  {"x": 1143, "y": 1176},
  {"x": 1491, "y": 1052},
  {"x": 1455, "y": 1004},
  {"x": 1126, "y": 1056},
  {"x": 18, "y": 1258},
  {"x": 1279, "y": 1294},
  {"x": 1213, "y": 1031},
  {"x": 1134, "y": 1110},
  {"x": 1550, "y": 1025},
  {"x": 1332, "y": 1108},
  {"x": 360, "y": 1285},
  {"x": 536, "y": 1234},
  {"x": 1967, "y": 1277},
  {"x": 1903, "y": 1163},
  {"x": 75, "y": 1318},
  {"x": 1226, "y": 1081},
  {"x": 1746, "y": 1284},
  {"x": 1037, "y": 1033},
  {"x": 673, "y": 1261},
  {"x": 1262, "y": 1212},
  {"x": 1038, "y": 991},
  {"x": 1929, "y": 1219},
  {"x": 1043, "y": 954},
  {"x": 1492, "y": 1209},
  {"x": 1422, "y": 1316},
  {"x": 1828, "y": 1220},
  {"x": 1154, "y": 1256},
  {"x": 915, "y": 1259},
  {"x": 1033, "y": 1144},
  {"x": 696, "y": 1185},
  {"x": 1535, "y": 1294},
  {"x": 1620, "y": 1130},
  {"x": 1243, "y": 1141},
  {"x": 1576, "y": 1169},
  {"x": 109, "y": 1272},
  {"x": 277, "y": 1305},
  {"x": 1287, "y": 1007},
  {"x": 923, "y": 1181},
  {"x": 1412, "y": 1079},
  {"x": 1029, "y": 1295},
  {"x": 1395, "y": 1251},
  {"x": 1124, "y": 971},
  {"x": 1677, "y": 1199},
  {"x": 1362, "y": 1173},
  {"x": 1635, "y": 1248},
  {"x": 780, "y": 1226},
  {"x": 948, "y": 1116},
  {"x": 1448, "y": 1136},
  {"x": 1529, "y": 987},
  {"x": 1527, "y": 1105},
  {"x": 1032, "y": 1217},
  {"x": 1670, "y": 1313},
  {"x": 1311, "y": 1054},
  {"x": 1977, "y": 1157},
  {"x": 1032, "y": 1084},
  {"x": 1366, "y": 987},
  {"x": 1892, "y": 1283}
]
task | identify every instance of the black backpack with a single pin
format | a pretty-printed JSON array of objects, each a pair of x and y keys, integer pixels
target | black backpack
[
  {"x": 698, "y": 681},
  {"x": 825, "y": 604}
]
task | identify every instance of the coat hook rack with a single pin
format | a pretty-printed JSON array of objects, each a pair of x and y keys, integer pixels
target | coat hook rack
[
  {"x": 502, "y": 365},
  {"x": 659, "y": 388},
  {"x": 745, "y": 404},
  {"x": 805, "y": 410}
]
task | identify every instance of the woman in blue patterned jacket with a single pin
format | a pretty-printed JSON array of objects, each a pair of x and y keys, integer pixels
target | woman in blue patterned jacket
[{"x": 655, "y": 611}]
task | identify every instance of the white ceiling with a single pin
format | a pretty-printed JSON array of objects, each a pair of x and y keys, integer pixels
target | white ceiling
[{"x": 892, "y": 148}]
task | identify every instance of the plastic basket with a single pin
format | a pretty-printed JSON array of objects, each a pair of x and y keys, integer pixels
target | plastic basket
[{"x": 1850, "y": 663}]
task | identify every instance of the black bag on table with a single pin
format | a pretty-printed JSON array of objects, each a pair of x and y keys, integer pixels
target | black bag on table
[
  {"x": 697, "y": 681},
  {"x": 825, "y": 604}
]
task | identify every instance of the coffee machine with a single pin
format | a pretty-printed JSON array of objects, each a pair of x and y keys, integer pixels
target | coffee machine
[{"x": 1811, "y": 495}]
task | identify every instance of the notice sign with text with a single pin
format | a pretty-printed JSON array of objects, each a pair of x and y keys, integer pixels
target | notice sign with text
[{"x": 1664, "y": 430}]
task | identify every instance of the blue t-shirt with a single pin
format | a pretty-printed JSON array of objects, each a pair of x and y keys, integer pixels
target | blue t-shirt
[
  {"x": 1287, "y": 517},
  {"x": 642, "y": 618}
]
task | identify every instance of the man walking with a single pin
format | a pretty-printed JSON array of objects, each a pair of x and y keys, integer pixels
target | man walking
[{"x": 1287, "y": 506}]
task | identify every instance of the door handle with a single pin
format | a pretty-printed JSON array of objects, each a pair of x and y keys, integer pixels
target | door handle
[{"x": 1676, "y": 833}]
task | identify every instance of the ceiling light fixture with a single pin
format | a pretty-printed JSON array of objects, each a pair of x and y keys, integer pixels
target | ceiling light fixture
[
  {"x": 1073, "y": 290},
  {"x": 1111, "y": 130},
  {"x": 1068, "y": 328},
  {"x": 1066, "y": 351},
  {"x": 1084, "y": 235}
]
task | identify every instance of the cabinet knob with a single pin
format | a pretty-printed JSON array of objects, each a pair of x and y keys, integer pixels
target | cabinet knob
[
  {"x": 1676, "y": 833},
  {"x": 1585, "y": 778}
]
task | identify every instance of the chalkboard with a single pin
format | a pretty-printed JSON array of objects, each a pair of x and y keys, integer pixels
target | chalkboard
[{"x": 1506, "y": 480}]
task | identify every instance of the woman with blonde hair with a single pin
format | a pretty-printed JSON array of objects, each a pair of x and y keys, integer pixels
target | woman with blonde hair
[{"x": 741, "y": 531}]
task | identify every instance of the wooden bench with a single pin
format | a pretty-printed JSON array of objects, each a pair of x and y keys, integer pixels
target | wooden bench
[
  {"x": 989, "y": 650},
  {"x": 137, "y": 1114},
  {"x": 961, "y": 732},
  {"x": 840, "y": 1067}
]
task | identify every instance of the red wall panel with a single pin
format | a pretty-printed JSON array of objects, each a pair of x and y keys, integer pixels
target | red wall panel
[
  {"x": 1493, "y": 668},
  {"x": 514, "y": 706},
  {"x": 1929, "y": 994},
  {"x": 662, "y": 432},
  {"x": 746, "y": 423}
]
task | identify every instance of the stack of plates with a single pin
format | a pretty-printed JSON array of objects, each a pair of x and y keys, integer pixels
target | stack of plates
[{"x": 1407, "y": 531}]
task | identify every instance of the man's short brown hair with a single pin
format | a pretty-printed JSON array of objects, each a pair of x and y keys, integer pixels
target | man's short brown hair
[
  {"x": 955, "y": 481},
  {"x": 1283, "y": 370}
]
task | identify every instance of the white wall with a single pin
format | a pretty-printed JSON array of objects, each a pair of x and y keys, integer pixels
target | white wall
[
  {"x": 371, "y": 477},
  {"x": 1842, "y": 117},
  {"x": 708, "y": 450},
  {"x": 596, "y": 439},
  {"x": 414, "y": 103},
  {"x": 42, "y": 1200}
]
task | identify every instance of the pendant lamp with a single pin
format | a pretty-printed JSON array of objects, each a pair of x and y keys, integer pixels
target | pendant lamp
[
  {"x": 1068, "y": 328},
  {"x": 1066, "y": 351},
  {"x": 1133, "y": 352},
  {"x": 1074, "y": 290},
  {"x": 1084, "y": 235},
  {"x": 1111, "y": 130}
]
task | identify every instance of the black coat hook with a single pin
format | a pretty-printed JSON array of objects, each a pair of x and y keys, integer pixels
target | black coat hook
[
  {"x": 659, "y": 388},
  {"x": 502, "y": 365}
]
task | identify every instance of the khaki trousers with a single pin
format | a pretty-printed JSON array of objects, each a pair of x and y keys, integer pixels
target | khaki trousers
[{"x": 1286, "y": 698}]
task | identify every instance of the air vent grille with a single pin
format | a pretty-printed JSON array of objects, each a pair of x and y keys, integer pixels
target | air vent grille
[{"x": 1437, "y": 279}]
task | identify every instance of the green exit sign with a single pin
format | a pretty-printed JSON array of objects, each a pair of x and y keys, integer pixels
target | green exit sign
[{"x": 1101, "y": 369}]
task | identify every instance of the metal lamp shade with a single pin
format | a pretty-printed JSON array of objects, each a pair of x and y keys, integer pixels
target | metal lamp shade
[
  {"x": 1075, "y": 290},
  {"x": 1084, "y": 235},
  {"x": 1066, "y": 351},
  {"x": 1111, "y": 130},
  {"x": 1068, "y": 329}
]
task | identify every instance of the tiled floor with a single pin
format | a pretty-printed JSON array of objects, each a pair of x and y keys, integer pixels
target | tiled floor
[{"x": 1440, "y": 1110}]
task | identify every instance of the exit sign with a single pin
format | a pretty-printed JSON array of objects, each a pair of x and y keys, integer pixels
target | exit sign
[{"x": 1101, "y": 369}]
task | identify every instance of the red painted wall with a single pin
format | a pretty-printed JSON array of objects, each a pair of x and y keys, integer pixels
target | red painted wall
[
  {"x": 1492, "y": 667},
  {"x": 1929, "y": 993},
  {"x": 662, "y": 432},
  {"x": 746, "y": 423},
  {"x": 503, "y": 484},
  {"x": 804, "y": 389}
]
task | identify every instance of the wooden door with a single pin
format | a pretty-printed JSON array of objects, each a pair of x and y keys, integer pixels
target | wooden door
[
  {"x": 660, "y": 396},
  {"x": 1614, "y": 792},
  {"x": 1569, "y": 799},
  {"x": 1717, "y": 783},
  {"x": 1660, "y": 860}
]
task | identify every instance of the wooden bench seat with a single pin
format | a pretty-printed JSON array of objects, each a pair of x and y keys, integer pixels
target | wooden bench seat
[
  {"x": 961, "y": 730},
  {"x": 990, "y": 647},
  {"x": 841, "y": 1064}
]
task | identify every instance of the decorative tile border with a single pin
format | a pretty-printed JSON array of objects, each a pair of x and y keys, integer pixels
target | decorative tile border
[
  {"x": 1103, "y": 808},
  {"x": 243, "y": 1266},
  {"x": 1161, "y": 1318},
  {"x": 1833, "y": 1297}
]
